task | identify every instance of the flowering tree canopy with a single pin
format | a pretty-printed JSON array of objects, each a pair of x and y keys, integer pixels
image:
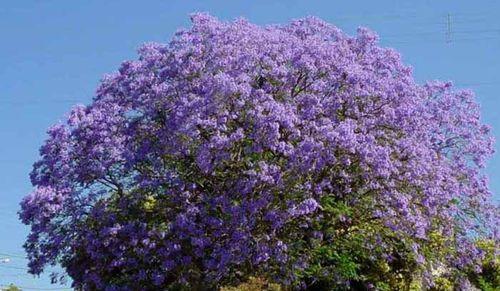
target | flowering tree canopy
[{"x": 294, "y": 153}]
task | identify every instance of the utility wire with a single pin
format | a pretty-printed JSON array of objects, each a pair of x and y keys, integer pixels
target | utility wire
[
  {"x": 17, "y": 275},
  {"x": 38, "y": 101},
  {"x": 12, "y": 256},
  {"x": 13, "y": 267}
]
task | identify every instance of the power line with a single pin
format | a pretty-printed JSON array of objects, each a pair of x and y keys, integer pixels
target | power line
[
  {"x": 438, "y": 33},
  {"x": 437, "y": 41},
  {"x": 17, "y": 275},
  {"x": 468, "y": 16},
  {"x": 12, "y": 256},
  {"x": 37, "y": 102},
  {"x": 13, "y": 267},
  {"x": 448, "y": 28}
]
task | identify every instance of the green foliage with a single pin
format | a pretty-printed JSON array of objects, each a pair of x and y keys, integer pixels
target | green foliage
[
  {"x": 11, "y": 287},
  {"x": 351, "y": 246},
  {"x": 254, "y": 284},
  {"x": 488, "y": 279}
]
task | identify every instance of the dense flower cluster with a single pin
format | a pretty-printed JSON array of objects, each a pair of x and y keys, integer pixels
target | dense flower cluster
[{"x": 239, "y": 150}]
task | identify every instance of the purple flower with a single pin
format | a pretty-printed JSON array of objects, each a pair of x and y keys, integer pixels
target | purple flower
[
  {"x": 210, "y": 156},
  {"x": 305, "y": 207}
]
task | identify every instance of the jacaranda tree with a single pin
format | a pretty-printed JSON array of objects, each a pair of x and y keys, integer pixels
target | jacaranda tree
[{"x": 295, "y": 153}]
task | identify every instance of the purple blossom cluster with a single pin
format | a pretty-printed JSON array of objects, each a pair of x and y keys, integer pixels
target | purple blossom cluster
[{"x": 205, "y": 160}]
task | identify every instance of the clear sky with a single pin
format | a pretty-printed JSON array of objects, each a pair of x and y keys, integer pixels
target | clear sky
[{"x": 53, "y": 53}]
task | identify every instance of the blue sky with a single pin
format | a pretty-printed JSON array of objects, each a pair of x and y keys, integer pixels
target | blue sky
[{"x": 53, "y": 53}]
